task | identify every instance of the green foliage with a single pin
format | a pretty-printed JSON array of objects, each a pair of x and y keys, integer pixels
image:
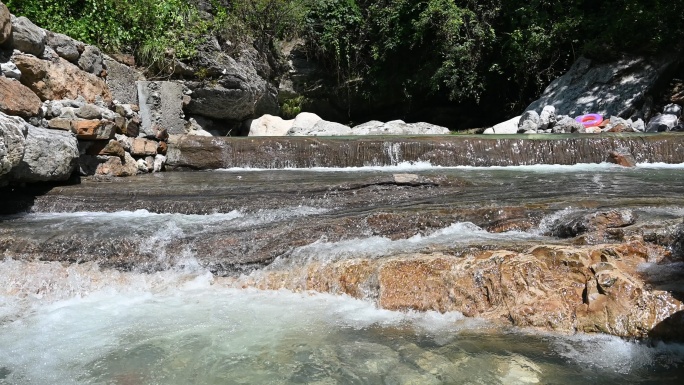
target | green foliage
[{"x": 292, "y": 107}]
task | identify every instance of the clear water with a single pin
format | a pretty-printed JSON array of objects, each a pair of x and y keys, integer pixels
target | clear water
[{"x": 79, "y": 324}]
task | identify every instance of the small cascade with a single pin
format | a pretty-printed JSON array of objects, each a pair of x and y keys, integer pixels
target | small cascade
[{"x": 454, "y": 150}]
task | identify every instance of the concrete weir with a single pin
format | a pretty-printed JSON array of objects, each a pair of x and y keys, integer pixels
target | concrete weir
[{"x": 195, "y": 152}]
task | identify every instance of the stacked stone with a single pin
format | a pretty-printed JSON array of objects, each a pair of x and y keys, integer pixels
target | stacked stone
[{"x": 54, "y": 89}]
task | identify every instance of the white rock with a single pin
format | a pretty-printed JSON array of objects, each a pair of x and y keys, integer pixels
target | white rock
[
  {"x": 673, "y": 109},
  {"x": 305, "y": 121},
  {"x": 508, "y": 127},
  {"x": 10, "y": 70},
  {"x": 269, "y": 125}
]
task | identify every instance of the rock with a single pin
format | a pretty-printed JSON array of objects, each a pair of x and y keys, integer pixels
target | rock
[
  {"x": 142, "y": 147},
  {"x": 609, "y": 89},
  {"x": 322, "y": 128},
  {"x": 673, "y": 109},
  {"x": 159, "y": 162},
  {"x": 55, "y": 80},
  {"x": 60, "y": 124},
  {"x": 595, "y": 227},
  {"x": 133, "y": 126},
  {"x": 398, "y": 127},
  {"x": 125, "y": 59},
  {"x": 115, "y": 166},
  {"x": 121, "y": 81},
  {"x": 622, "y": 157},
  {"x": 661, "y": 123},
  {"x": 142, "y": 165},
  {"x": 93, "y": 129},
  {"x": 5, "y": 23},
  {"x": 10, "y": 70},
  {"x": 27, "y": 37},
  {"x": 91, "y": 60},
  {"x": 17, "y": 99},
  {"x": 162, "y": 147},
  {"x": 50, "y": 155},
  {"x": 269, "y": 125},
  {"x": 125, "y": 110},
  {"x": 12, "y": 142},
  {"x": 305, "y": 121},
  {"x": 529, "y": 121},
  {"x": 238, "y": 90},
  {"x": 566, "y": 124},
  {"x": 89, "y": 111},
  {"x": 161, "y": 106},
  {"x": 64, "y": 46},
  {"x": 508, "y": 127},
  {"x": 617, "y": 124},
  {"x": 110, "y": 148},
  {"x": 547, "y": 118}
]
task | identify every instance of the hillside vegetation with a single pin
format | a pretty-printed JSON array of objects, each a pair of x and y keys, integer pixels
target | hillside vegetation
[{"x": 490, "y": 51}]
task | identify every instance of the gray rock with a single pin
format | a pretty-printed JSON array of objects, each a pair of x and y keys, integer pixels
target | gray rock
[
  {"x": 89, "y": 111},
  {"x": 67, "y": 113},
  {"x": 161, "y": 106},
  {"x": 673, "y": 109},
  {"x": 91, "y": 60},
  {"x": 50, "y": 155},
  {"x": 125, "y": 110},
  {"x": 27, "y": 37},
  {"x": 508, "y": 127},
  {"x": 49, "y": 54},
  {"x": 547, "y": 117},
  {"x": 611, "y": 89},
  {"x": 566, "y": 124},
  {"x": 121, "y": 81},
  {"x": 529, "y": 121},
  {"x": 661, "y": 123},
  {"x": 64, "y": 46},
  {"x": 398, "y": 127},
  {"x": 12, "y": 143},
  {"x": 10, "y": 70}
]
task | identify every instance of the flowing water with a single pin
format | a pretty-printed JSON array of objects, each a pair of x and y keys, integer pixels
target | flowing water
[{"x": 137, "y": 281}]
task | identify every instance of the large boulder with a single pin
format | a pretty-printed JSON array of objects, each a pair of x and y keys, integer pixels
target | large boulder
[
  {"x": 121, "y": 80},
  {"x": 398, "y": 127},
  {"x": 65, "y": 46},
  {"x": 17, "y": 99},
  {"x": 5, "y": 23},
  {"x": 27, "y": 37},
  {"x": 508, "y": 127},
  {"x": 661, "y": 123},
  {"x": 59, "y": 79},
  {"x": 321, "y": 128},
  {"x": 161, "y": 108},
  {"x": 12, "y": 143},
  {"x": 50, "y": 155},
  {"x": 237, "y": 91},
  {"x": 616, "y": 88},
  {"x": 269, "y": 125}
]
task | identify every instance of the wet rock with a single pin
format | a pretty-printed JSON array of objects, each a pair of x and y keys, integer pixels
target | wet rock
[
  {"x": 161, "y": 106},
  {"x": 50, "y": 155},
  {"x": 622, "y": 157},
  {"x": 10, "y": 70},
  {"x": 64, "y": 46},
  {"x": 508, "y": 127},
  {"x": 609, "y": 89},
  {"x": 55, "y": 80},
  {"x": 17, "y": 99},
  {"x": 5, "y": 23},
  {"x": 596, "y": 227},
  {"x": 121, "y": 80},
  {"x": 529, "y": 121},
  {"x": 269, "y": 125},
  {"x": 27, "y": 37},
  {"x": 661, "y": 123},
  {"x": 12, "y": 142}
]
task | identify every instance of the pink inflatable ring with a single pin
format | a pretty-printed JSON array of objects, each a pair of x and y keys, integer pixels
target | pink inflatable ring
[{"x": 590, "y": 120}]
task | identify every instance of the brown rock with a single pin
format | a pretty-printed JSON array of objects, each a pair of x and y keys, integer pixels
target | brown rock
[
  {"x": 562, "y": 288},
  {"x": 162, "y": 147},
  {"x": 59, "y": 79},
  {"x": 133, "y": 127},
  {"x": 120, "y": 123},
  {"x": 116, "y": 166},
  {"x": 125, "y": 59},
  {"x": 622, "y": 157},
  {"x": 60, "y": 124},
  {"x": 143, "y": 147},
  {"x": 17, "y": 99},
  {"x": 93, "y": 129},
  {"x": 5, "y": 23},
  {"x": 111, "y": 148}
]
